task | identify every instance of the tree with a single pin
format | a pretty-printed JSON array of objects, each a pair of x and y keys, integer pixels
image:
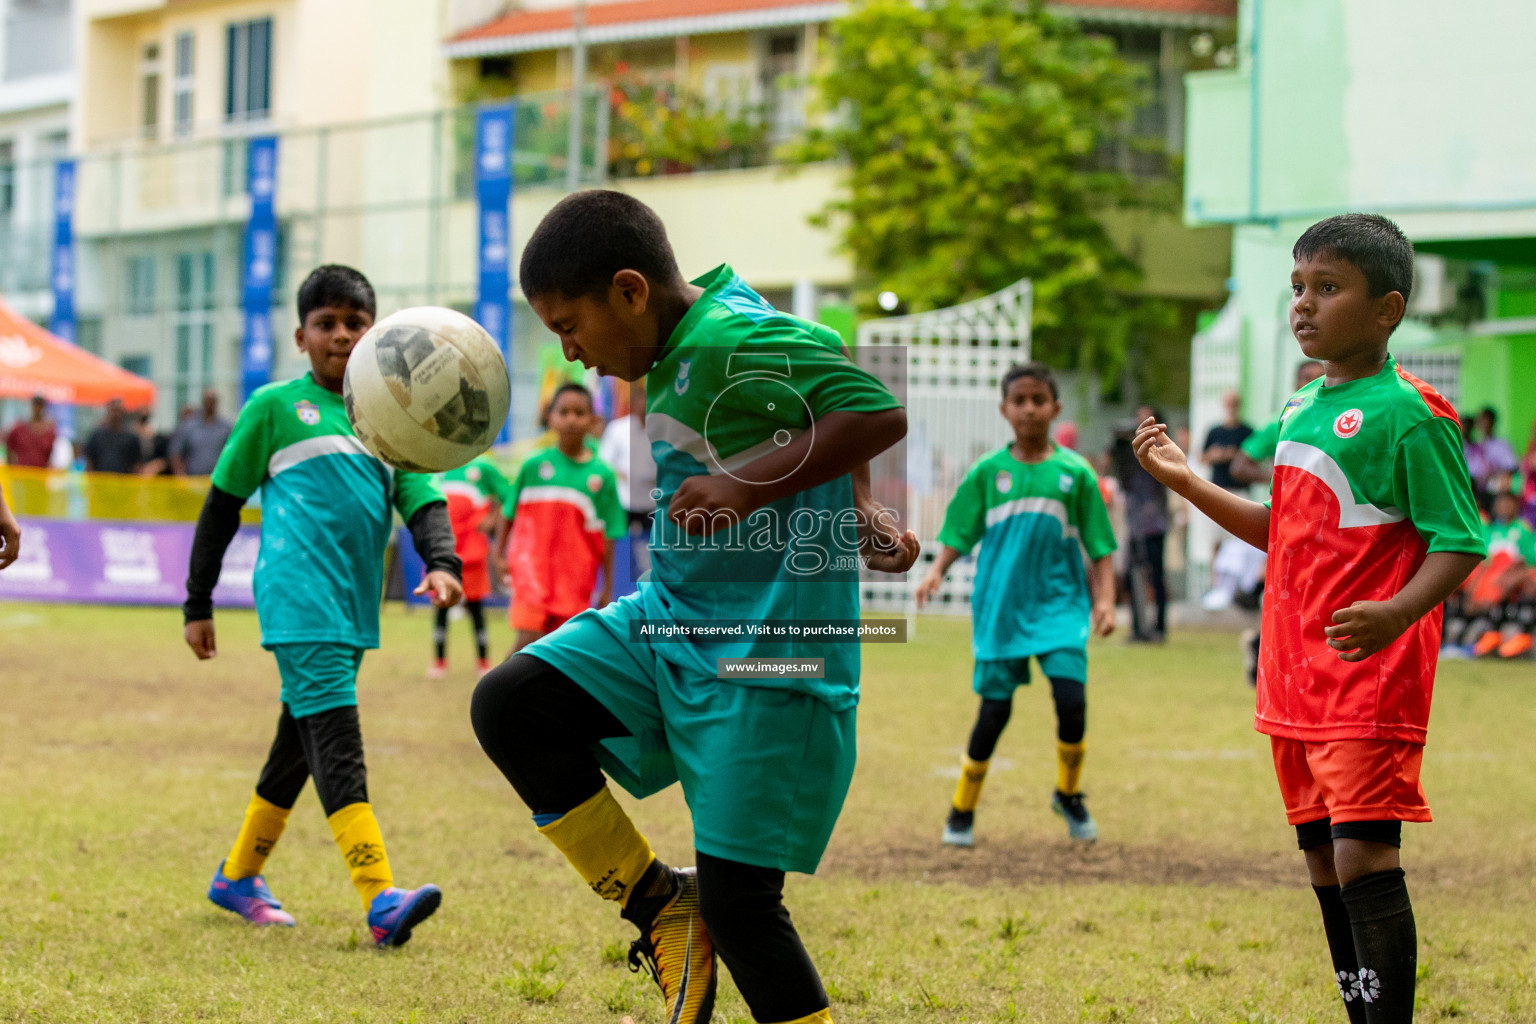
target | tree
[{"x": 970, "y": 128}]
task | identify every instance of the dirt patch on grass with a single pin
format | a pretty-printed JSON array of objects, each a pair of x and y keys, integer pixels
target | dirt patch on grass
[{"x": 1061, "y": 863}]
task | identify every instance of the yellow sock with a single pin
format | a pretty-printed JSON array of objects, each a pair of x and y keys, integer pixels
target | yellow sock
[
  {"x": 819, "y": 1017},
  {"x": 263, "y": 827},
  {"x": 1069, "y": 766},
  {"x": 602, "y": 844},
  {"x": 968, "y": 791},
  {"x": 362, "y": 845}
]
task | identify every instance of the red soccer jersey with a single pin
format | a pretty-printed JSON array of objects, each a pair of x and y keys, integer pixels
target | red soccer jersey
[
  {"x": 1369, "y": 478},
  {"x": 562, "y": 512}
]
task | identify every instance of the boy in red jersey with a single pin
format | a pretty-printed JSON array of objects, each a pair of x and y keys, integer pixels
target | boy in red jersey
[{"x": 1370, "y": 526}]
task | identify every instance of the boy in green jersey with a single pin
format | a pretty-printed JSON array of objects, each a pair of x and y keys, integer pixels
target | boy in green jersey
[
  {"x": 1036, "y": 510},
  {"x": 327, "y": 508},
  {"x": 759, "y": 424}
]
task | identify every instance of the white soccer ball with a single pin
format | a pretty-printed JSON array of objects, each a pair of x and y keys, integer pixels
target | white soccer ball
[{"x": 426, "y": 389}]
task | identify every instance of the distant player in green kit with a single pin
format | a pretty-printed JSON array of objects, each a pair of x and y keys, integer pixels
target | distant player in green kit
[
  {"x": 475, "y": 492},
  {"x": 761, "y": 429},
  {"x": 1036, "y": 510},
  {"x": 327, "y": 512}
]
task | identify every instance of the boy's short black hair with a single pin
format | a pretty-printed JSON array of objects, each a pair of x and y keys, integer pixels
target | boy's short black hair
[
  {"x": 587, "y": 238},
  {"x": 1034, "y": 370},
  {"x": 1371, "y": 242},
  {"x": 335, "y": 285},
  {"x": 570, "y": 385}
]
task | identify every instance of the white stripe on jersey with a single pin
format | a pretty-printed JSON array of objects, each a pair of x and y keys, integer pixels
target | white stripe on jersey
[
  {"x": 1318, "y": 463},
  {"x": 314, "y": 448},
  {"x": 567, "y": 495},
  {"x": 681, "y": 437},
  {"x": 1052, "y": 507}
]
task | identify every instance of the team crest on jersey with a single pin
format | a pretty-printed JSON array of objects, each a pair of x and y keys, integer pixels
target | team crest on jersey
[
  {"x": 1348, "y": 424},
  {"x": 472, "y": 474},
  {"x": 1064, "y": 482},
  {"x": 547, "y": 471},
  {"x": 1004, "y": 482},
  {"x": 1290, "y": 407},
  {"x": 681, "y": 384},
  {"x": 309, "y": 413},
  {"x": 594, "y": 483}
]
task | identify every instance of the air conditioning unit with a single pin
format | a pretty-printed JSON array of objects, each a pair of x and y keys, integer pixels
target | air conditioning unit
[{"x": 1433, "y": 292}]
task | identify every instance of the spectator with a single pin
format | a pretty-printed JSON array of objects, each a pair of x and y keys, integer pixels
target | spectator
[
  {"x": 154, "y": 446},
  {"x": 1146, "y": 527},
  {"x": 1223, "y": 441},
  {"x": 1490, "y": 459},
  {"x": 199, "y": 439},
  {"x": 1066, "y": 435},
  {"x": 112, "y": 447},
  {"x": 29, "y": 442},
  {"x": 1528, "y": 480}
]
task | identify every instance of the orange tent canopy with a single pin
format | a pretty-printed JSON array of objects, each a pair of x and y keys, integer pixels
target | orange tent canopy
[{"x": 34, "y": 361}]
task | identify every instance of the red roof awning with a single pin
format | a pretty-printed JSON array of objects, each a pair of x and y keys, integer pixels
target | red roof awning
[
  {"x": 34, "y": 361},
  {"x": 528, "y": 31}
]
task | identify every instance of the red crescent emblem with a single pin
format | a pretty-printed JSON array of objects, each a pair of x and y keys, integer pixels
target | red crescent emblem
[{"x": 1348, "y": 424}]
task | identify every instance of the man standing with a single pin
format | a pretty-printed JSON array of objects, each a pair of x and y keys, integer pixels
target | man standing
[
  {"x": 29, "y": 442},
  {"x": 112, "y": 447},
  {"x": 199, "y": 440},
  {"x": 1224, "y": 441}
]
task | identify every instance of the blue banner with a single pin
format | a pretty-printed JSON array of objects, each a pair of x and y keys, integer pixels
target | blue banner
[
  {"x": 260, "y": 264},
  {"x": 63, "y": 323},
  {"x": 494, "y": 137}
]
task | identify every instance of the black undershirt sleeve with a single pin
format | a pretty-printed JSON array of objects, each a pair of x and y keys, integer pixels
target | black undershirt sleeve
[
  {"x": 216, "y": 527},
  {"x": 432, "y": 534}
]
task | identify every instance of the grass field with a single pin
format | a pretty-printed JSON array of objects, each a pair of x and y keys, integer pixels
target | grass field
[{"x": 125, "y": 767}]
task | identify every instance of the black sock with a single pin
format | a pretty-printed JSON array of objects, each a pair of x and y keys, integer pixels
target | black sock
[
  {"x": 440, "y": 634},
  {"x": 1386, "y": 944},
  {"x": 650, "y": 894},
  {"x": 1341, "y": 944},
  {"x": 477, "y": 617}
]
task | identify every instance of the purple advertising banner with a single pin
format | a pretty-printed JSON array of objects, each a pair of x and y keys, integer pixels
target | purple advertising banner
[{"x": 121, "y": 563}]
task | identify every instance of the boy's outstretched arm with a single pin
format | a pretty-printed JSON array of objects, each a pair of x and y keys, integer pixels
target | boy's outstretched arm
[
  {"x": 217, "y": 525},
  {"x": 432, "y": 535},
  {"x": 1246, "y": 520},
  {"x": 884, "y": 545},
  {"x": 1366, "y": 627},
  {"x": 1101, "y": 588},
  {"x": 837, "y": 444}
]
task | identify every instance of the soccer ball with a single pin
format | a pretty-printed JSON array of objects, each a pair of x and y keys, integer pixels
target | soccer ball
[{"x": 426, "y": 389}]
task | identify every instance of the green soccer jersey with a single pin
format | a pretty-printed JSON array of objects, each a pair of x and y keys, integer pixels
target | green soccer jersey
[
  {"x": 736, "y": 380},
  {"x": 1513, "y": 538},
  {"x": 325, "y": 514},
  {"x": 1034, "y": 521}
]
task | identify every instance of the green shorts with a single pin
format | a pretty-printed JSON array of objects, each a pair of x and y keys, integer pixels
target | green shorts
[
  {"x": 764, "y": 771},
  {"x": 317, "y": 677},
  {"x": 997, "y": 679}
]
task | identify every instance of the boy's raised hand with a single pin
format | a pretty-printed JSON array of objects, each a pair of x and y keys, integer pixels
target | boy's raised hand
[
  {"x": 1159, "y": 456},
  {"x": 442, "y": 588},
  {"x": 200, "y": 637}
]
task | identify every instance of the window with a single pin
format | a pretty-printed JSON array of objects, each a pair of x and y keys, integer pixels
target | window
[
  {"x": 181, "y": 85},
  {"x": 141, "y": 365},
  {"x": 7, "y": 178},
  {"x": 141, "y": 284},
  {"x": 149, "y": 77},
  {"x": 194, "y": 324},
  {"x": 249, "y": 71}
]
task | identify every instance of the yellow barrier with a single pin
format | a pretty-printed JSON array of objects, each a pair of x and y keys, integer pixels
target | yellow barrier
[{"x": 62, "y": 494}]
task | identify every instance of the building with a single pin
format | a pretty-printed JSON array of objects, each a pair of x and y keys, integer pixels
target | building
[
  {"x": 373, "y": 105},
  {"x": 37, "y": 85},
  {"x": 1351, "y": 105}
]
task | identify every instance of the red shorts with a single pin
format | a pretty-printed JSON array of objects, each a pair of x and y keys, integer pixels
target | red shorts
[
  {"x": 1350, "y": 780},
  {"x": 477, "y": 580},
  {"x": 535, "y": 619}
]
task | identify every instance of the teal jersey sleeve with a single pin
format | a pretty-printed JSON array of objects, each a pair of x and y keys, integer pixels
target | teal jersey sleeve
[
  {"x": 966, "y": 518},
  {"x": 413, "y": 490},
  {"x": 242, "y": 464},
  {"x": 1260, "y": 445},
  {"x": 609, "y": 508},
  {"x": 1093, "y": 525},
  {"x": 1435, "y": 490}
]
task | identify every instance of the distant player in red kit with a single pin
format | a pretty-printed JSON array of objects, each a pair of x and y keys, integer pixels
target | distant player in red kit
[{"x": 1371, "y": 525}]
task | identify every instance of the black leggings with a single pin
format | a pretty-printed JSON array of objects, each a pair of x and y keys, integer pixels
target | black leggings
[
  {"x": 1147, "y": 551},
  {"x": 538, "y": 726},
  {"x": 1071, "y": 699},
  {"x": 328, "y": 746},
  {"x": 476, "y": 616}
]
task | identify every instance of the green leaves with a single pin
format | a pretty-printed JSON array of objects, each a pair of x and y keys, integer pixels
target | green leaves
[{"x": 970, "y": 128}]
